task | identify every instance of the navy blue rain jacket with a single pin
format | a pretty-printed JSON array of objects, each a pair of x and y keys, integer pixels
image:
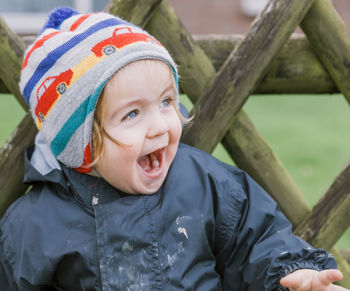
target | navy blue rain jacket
[{"x": 209, "y": 227}]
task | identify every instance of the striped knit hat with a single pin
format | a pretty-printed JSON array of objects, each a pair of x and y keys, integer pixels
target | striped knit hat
[{"x": 66, "y": 69}]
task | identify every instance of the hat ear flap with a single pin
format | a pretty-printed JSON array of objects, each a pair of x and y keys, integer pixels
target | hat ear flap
[{"x": 57, "y": 16}]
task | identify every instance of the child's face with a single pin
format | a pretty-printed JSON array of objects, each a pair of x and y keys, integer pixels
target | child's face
[{"x": 139, "y": 112}]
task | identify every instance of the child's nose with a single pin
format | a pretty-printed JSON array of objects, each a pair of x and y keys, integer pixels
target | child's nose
[{"x": 158, "y": 125}]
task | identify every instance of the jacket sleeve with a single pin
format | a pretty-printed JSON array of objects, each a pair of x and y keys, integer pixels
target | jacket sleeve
[
  {"x": 7, "y": 281},
  {"x": 255, "y": 246},
  {"x": 14, "y": 262}
]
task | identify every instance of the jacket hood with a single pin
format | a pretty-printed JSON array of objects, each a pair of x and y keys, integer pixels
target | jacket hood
[
  {"x": 40, "y": 163},
  {"x": 42, "y": 166}
]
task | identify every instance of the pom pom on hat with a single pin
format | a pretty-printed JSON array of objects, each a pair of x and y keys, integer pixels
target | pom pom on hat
[
  {"x": 65, "y": 70},
  {"x": 57, "y": 16}
]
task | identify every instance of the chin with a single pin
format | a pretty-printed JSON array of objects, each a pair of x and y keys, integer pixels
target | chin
[
  {"x": 141, "y": 189},
  {"x": 150, "y": 190}
]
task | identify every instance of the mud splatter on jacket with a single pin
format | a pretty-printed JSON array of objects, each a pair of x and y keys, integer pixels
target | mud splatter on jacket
[{"x": 209, "y": 227}]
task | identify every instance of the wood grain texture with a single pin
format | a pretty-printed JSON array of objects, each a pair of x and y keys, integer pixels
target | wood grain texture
[
  {"x": 135, "y": 11},
  {"x": 242, "y": 72},
  {"x": 295, "y": 70},
  {"x": 12, "y": 162},
  {"x": 11, "y": 54},
  {"x": 330, "y": 40},
  {"x": 330, "y": 217}
]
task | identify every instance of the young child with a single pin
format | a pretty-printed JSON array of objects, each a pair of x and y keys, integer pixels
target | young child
[{"x": 116, "y": 202}]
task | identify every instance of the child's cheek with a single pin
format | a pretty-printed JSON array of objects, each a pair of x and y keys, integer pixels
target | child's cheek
[{"x": 178, "y": 128}]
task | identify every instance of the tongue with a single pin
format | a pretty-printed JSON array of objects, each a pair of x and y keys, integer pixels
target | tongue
[
  {"x": 145, "y": 163},
  {"x": 149, "y": 162}
]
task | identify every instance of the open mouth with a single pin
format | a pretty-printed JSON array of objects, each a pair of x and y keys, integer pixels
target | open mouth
[{"x": 152, "y": 163}]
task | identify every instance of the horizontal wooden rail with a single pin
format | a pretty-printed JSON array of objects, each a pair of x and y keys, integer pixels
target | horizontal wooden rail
[
  {"x": 296, "y": 63},
  {"x": 295, "y": 70}
]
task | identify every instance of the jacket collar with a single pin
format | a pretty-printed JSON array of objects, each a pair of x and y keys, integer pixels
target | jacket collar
[{"x": 42, "y": 166}]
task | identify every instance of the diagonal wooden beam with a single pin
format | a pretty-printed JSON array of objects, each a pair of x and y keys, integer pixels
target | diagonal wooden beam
[
  {"x": 11, "y": 53},
  {"x": 195, "y": 68},
  {"x": 12, "y": 162},
  {"x": 330, "y": 40},
  {"x": 242, "y": 72},
  {"x": 12, "y": 153},
  {"x": 3, "y": 88},
  {"x": 250, "y": 152},
  {"x": 135, "y": 11},
  {"x": 346, "y": 254},
  {"x": 330, "y": 217}
]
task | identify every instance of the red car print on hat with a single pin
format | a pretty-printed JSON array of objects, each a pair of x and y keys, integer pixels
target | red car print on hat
[
  {"x": 122, "y": 36},
  {"x": 49, "y": 92}
]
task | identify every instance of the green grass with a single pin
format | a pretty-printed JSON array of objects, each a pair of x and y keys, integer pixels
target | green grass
[
  {"x": 309, "y": 133},
  {"x": 11, "y": 114}
]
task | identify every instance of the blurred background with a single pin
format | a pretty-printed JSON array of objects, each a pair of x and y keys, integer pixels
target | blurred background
[
  {"x": 309, "y": 133},
  {"x": 199, "y": 16}
]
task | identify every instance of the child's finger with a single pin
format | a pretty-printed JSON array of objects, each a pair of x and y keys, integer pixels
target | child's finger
[
  {"x": 293, "y": 280},
  {"x": 327, "y": 277},
  {"x": 302, "y": 279}
]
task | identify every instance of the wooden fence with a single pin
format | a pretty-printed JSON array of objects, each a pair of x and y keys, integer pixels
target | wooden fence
[{"x": 218, "y": 75}]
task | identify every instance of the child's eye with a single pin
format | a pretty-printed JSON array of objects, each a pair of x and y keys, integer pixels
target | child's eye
[
  {"x": 167, "y": 102},
  {"x": 131, "y": 115}
]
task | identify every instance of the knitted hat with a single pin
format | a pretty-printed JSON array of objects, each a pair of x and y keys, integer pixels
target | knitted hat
[{"x": 65, "y": 70}]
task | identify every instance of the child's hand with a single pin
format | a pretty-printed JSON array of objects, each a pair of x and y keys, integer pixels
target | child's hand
[{"x": 305, "y": 280}]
